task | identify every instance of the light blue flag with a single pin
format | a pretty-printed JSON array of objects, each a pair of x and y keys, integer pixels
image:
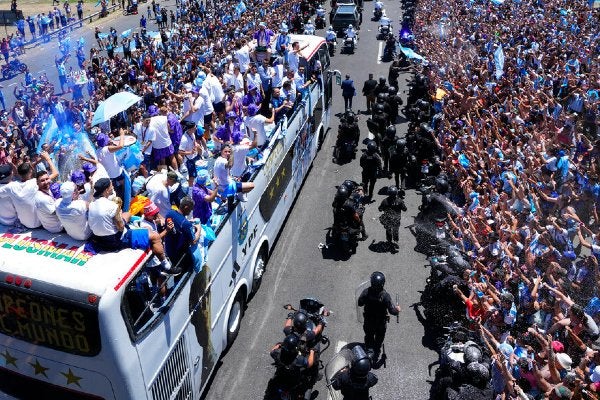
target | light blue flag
[
  {"x": 240, "y": 8},
  {"x": 126, "y": 33},
  {"x": 410, "y": 53},
  {"x": 499, "y": 61}
]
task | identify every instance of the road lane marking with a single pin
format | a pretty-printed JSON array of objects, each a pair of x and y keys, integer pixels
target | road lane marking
[
  {"x": 40, "y": 71},
  {"x": 12, "y": 84},
  {"x": 380, "y": 53}
]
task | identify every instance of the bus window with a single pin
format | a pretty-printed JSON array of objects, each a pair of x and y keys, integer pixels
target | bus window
[{"x": 147, "y": 294}]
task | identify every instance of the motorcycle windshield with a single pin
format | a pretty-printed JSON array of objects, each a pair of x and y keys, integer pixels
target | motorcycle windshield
[
  {"x": 311, "y": 305},
  {"x": 340, "y": 360}
]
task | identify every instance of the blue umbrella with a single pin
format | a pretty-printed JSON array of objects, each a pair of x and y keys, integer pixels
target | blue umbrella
[{"x": 113, "y": 105}]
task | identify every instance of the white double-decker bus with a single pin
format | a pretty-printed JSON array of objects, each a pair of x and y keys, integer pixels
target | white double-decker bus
[{"x": 77, "y": 326}]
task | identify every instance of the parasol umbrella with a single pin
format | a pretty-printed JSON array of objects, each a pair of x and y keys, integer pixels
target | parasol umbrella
[{"x": 113, "y": 105}]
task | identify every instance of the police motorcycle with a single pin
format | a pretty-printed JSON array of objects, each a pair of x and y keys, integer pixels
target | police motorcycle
[
  {"x": 14, "y": 67},
  {"x": 331, "y": 40},
  {"x": 347, "y": 216},
  {"x": 385, "y": 27},
  {"x": 352, "y": 360},
  {"x": 320, "y": 18},
  {"x": 347, "y": 139},
  {"x": 389, "y": 50},
  {"x": 350, "y": 38},
  {"x": 289, "y": 381},
  {"x": 308, "y": 28}
]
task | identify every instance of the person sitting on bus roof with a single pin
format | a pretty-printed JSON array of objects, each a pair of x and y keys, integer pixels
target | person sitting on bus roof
[
  {"x": 183, "y": 236},
  {"x": 8, "y": 214},
  {"x": 22, "y": 194},
  {"x": 203, "y": 197},
  {"x": 72, "y": 212},
  {"x": 109, "y": 233},
  {"x": 255, "y": 123},
  {"x": 45, "y": 204},
  {"x": 240, "y": 149},
  {"x": 226, "y": 185}
]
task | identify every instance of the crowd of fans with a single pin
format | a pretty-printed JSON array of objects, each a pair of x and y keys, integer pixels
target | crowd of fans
[
  {"x": 213, "y": 90},
  {"x": 519, "y": 137}
]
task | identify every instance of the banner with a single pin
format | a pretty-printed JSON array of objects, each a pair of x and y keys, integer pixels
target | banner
[
  {"x": 78, "y": 77},
  {"x": 499, "y": 61}
]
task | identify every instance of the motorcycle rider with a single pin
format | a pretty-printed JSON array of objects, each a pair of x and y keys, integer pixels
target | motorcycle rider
[
  {"x": 378, "y": 6},
  {"x": 387, "y": 141},
  {"x": 349, "y": 129},
  {"x": 379, "y": 120},
  {"x": 297, "y": 323},
  {"x": 354, "y": 382},
  {"x": 309, "y": 28},
  {"x": 377, "y": 303},
  {"x": 330, "y": 37},
  {"x": 398, "y": 161},
  {"x": 351, "y": 34},
  {"x": 287, "y": 354},
  {"x": 392, "y": 207},
  {"x": 384, "y": 20},
  {"x": 370, "y": 162},
  {"x": 321, "y": 14},
  {"x": 347, "y": 210}
]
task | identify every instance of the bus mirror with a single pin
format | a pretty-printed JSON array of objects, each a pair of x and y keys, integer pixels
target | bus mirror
[{"x": 338, "y": 76}]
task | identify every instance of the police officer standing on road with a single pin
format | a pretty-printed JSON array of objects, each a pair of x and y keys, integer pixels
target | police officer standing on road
[
  {"x": 370, "y": 162},
  {"x": 392, "y": 207},
  {"x": 368, "y": 91},
  {"x": 398, "y": 161},
  {"x": 377, "y": 303},
  {"x": 354, "y": 382}
]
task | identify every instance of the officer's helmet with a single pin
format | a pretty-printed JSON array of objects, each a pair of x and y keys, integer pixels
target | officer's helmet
[
  {"x": 472, "y": 353},
  {"x": 478, "y": 373},
  {"x": 378, "y": 278},
  {"x": 349, "y": 114},
  {"x": 381, "y": 98},
  {"x": 300, "y": 320},
  {"x": 349, "y": 185},
  {"x": 371, "y": 147},
  {"x": 390, "y": 131},
  {"x": 382, "y": 80},
  {"x": 350, "y": 26},
  {"x": 379, "y": 108},
  {"x": 393, "y": 90},
  {"x": 392, "y": 191},
  {"x": 401, "y": 143},
  {"x": 342, "y": 193},
  {"x": 290, "y": 343},
  {"x": 361, "y": 364}
]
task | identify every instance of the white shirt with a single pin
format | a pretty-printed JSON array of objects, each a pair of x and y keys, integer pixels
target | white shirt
[
  {"x": 22, "y": 195},
  {"x": 197, "y": 116},
  {"x": 144, "y": 135},
  {"x": 109, "y": 162},
  {"x": 239, "y": 153},
  {"x": 215, "y": 87},
  {"x": 221, "y": 172},
  {"x": 188, "y": 144},
  {"x": 8, "y": 214},
  {"x": 237, "y": 81},
  {"x": 293, "y": 60},
  {"x": 101, "y": 217},
  {"x": 160, "y": 127},
  {"x": 278, "y": 74},
  {"x": 257, "y": 123},
  {"x": 46, "y": 211},
  {"x": 74, "y": 218},
  {"x": 207, "y": 107},
  {"x": 159, "y": 193},
  {"x": 243, "y": 57}
]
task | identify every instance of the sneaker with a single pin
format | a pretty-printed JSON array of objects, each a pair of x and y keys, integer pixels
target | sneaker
[{"x": 173, "y": 271}]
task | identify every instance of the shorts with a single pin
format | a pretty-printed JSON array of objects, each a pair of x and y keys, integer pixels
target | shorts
[
  {"x": 219, "y": 107},
  {"x": 133, "y": 238},
  {"x": 208, "y": 119},
  {"x": 165, "y": 152},
  {"x": 137, "y": 238}
]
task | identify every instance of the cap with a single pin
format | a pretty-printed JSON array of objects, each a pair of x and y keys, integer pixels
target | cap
[
  {"x": 150, "y": 210},
  {"x": 152, "y": 110},
  {"x": 66, "y": 191},
  {"x": 195, "y": 90},
  {"x": 5, "y": 171},
  {"x": 188, "y": 87},
  {"x": 262, "y": 24},
  {"x": 188, "y": 125},
  {"x": 252, "y": 110},
  {"x": 231, "y": 114},
  {"x": 557, "y": 346},
  {"x": 172, "y": 175},
  {"x": 100, "y": 186},
  {"x": 102, "y": 140},
  {"x": 77, "y": 177},
  {"x": 203, "y": 177},
  {"x": 251, "y": 86},
  {"x": 89, "y": 167},
  {"x": 564, "y": 360}
]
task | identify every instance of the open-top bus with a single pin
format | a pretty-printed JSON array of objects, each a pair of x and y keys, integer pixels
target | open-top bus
[{"x": 78, "y": 326}]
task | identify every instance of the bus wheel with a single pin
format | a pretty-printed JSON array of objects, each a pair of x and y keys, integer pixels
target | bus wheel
[
  {"x": 259, "y": 269},
  {"x": 235, "y": 318}
]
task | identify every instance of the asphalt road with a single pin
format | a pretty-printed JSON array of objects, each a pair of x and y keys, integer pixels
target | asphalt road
[{"x": 298, "y": 268}]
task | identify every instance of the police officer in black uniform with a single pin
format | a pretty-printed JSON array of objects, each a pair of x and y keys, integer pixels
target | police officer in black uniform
[
  {"x": 377, "y": 303},
  {"x": 348, "y": 128},
  {"x": 370, "y": 162},
  {"x": 287, "y": 355},
  {"x": 381, "y": 87},
  {"x": 297, "y": 323},
  {"x": 392, "y": 207},
  {"x": 398, "y": 162},
  {"x": 388, "y": 140},
  {"x": 354, "y": 382},
  {"x": 348, "y": 211},
  {"x": 393, "y": 101},
  {"x": 379, "y": 121}
]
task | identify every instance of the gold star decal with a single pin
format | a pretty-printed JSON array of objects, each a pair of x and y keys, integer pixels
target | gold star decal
[
  {"x": 272, "y": 193},
  {"x": 283, "y": 172},
  {"x": 9, "y": 359},
  {"x": 38, "y": 368},
  {"x": 277, "y": 183},
  {"x": 71, "y": 378}
]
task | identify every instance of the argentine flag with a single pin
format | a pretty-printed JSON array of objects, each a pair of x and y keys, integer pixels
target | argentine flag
[{"x": 499, "y": 61}]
